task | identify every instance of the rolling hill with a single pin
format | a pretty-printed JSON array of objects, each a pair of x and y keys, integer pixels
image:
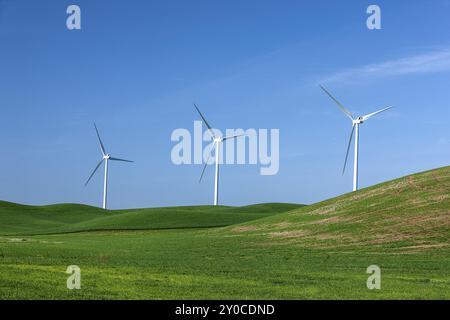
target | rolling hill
[
  {"x": 269, "y": 251},
  {"x": 412, "y": 213},
  {"x": 16, "y": 219}
]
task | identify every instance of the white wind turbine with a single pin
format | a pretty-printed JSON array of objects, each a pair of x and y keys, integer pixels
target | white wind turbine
[
  {"x": 106, "y": 158},
  {"x": 356, "y": 121},
  {"x": 217, "y": 144}
]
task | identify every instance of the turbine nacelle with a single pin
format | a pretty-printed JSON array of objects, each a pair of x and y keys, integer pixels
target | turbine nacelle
[{"x": 358, "y": 120}]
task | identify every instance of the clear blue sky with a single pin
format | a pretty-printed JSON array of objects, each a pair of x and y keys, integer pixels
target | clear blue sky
[{"x": 136, "y": 67}]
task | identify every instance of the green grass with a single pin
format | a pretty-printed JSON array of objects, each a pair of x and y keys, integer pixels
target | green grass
[
  {"x": 31, "y": 220},
  {"x": 405, "y": 215},
  {"x": 268, "y": 251}
]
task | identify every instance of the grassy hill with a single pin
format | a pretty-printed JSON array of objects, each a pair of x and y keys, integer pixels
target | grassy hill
[
  {"x": 18, "y": 219},
  {"x": 268, "y": 251},
  {"x": 411, "y": 213}
]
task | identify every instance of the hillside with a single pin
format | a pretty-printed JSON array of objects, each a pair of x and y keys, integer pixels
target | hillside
[
  {"x": 269, "y": 251},
  {"x": 18, "y": 219},
  {"x": 411, "y": 213}
]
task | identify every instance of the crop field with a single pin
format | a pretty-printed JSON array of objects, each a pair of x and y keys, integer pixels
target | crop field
[{"x": 266, "y": 251}]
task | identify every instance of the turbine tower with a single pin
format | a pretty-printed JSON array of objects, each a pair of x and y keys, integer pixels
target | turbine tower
[
  {"x": 217, "y": 144},
  {"x": 356, "y": 121},
  {"x": 105, "y": 159}
]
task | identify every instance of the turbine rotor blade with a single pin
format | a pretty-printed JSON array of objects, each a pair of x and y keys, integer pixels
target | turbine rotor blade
[
  {"x": 204, "y": 167},
  {"x": 348, "y": 113},
  {"x": 206, "y": 122},
  {"x": 370, "y": 115},
  {"x": 93, "y": 172},
  {"x": 233, "y": 137},
  {"x": 118, "y": 159},
  {"x": 348, "y": 148},
  {"x": 102, "y": 147}
]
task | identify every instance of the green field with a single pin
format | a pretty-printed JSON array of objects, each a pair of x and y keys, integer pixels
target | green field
[{"x": 266, "y": 251}]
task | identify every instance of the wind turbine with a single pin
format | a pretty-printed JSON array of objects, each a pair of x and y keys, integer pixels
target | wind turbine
[
  {"x": 356, "y": 121},
  {"x": 106, "y": 158},
  {"x": 217, "y": 144}
]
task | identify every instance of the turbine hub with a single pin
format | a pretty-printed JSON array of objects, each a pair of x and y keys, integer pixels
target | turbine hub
[
  {"x": 106, "y": 156},
  {"x": 358, "y": 120}
]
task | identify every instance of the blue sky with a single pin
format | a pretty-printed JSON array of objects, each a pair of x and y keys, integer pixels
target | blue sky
[{"x": 135, "y": 68}]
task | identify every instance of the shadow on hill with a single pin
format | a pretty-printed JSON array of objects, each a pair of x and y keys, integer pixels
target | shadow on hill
[{"x": 17, "y": 219}]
